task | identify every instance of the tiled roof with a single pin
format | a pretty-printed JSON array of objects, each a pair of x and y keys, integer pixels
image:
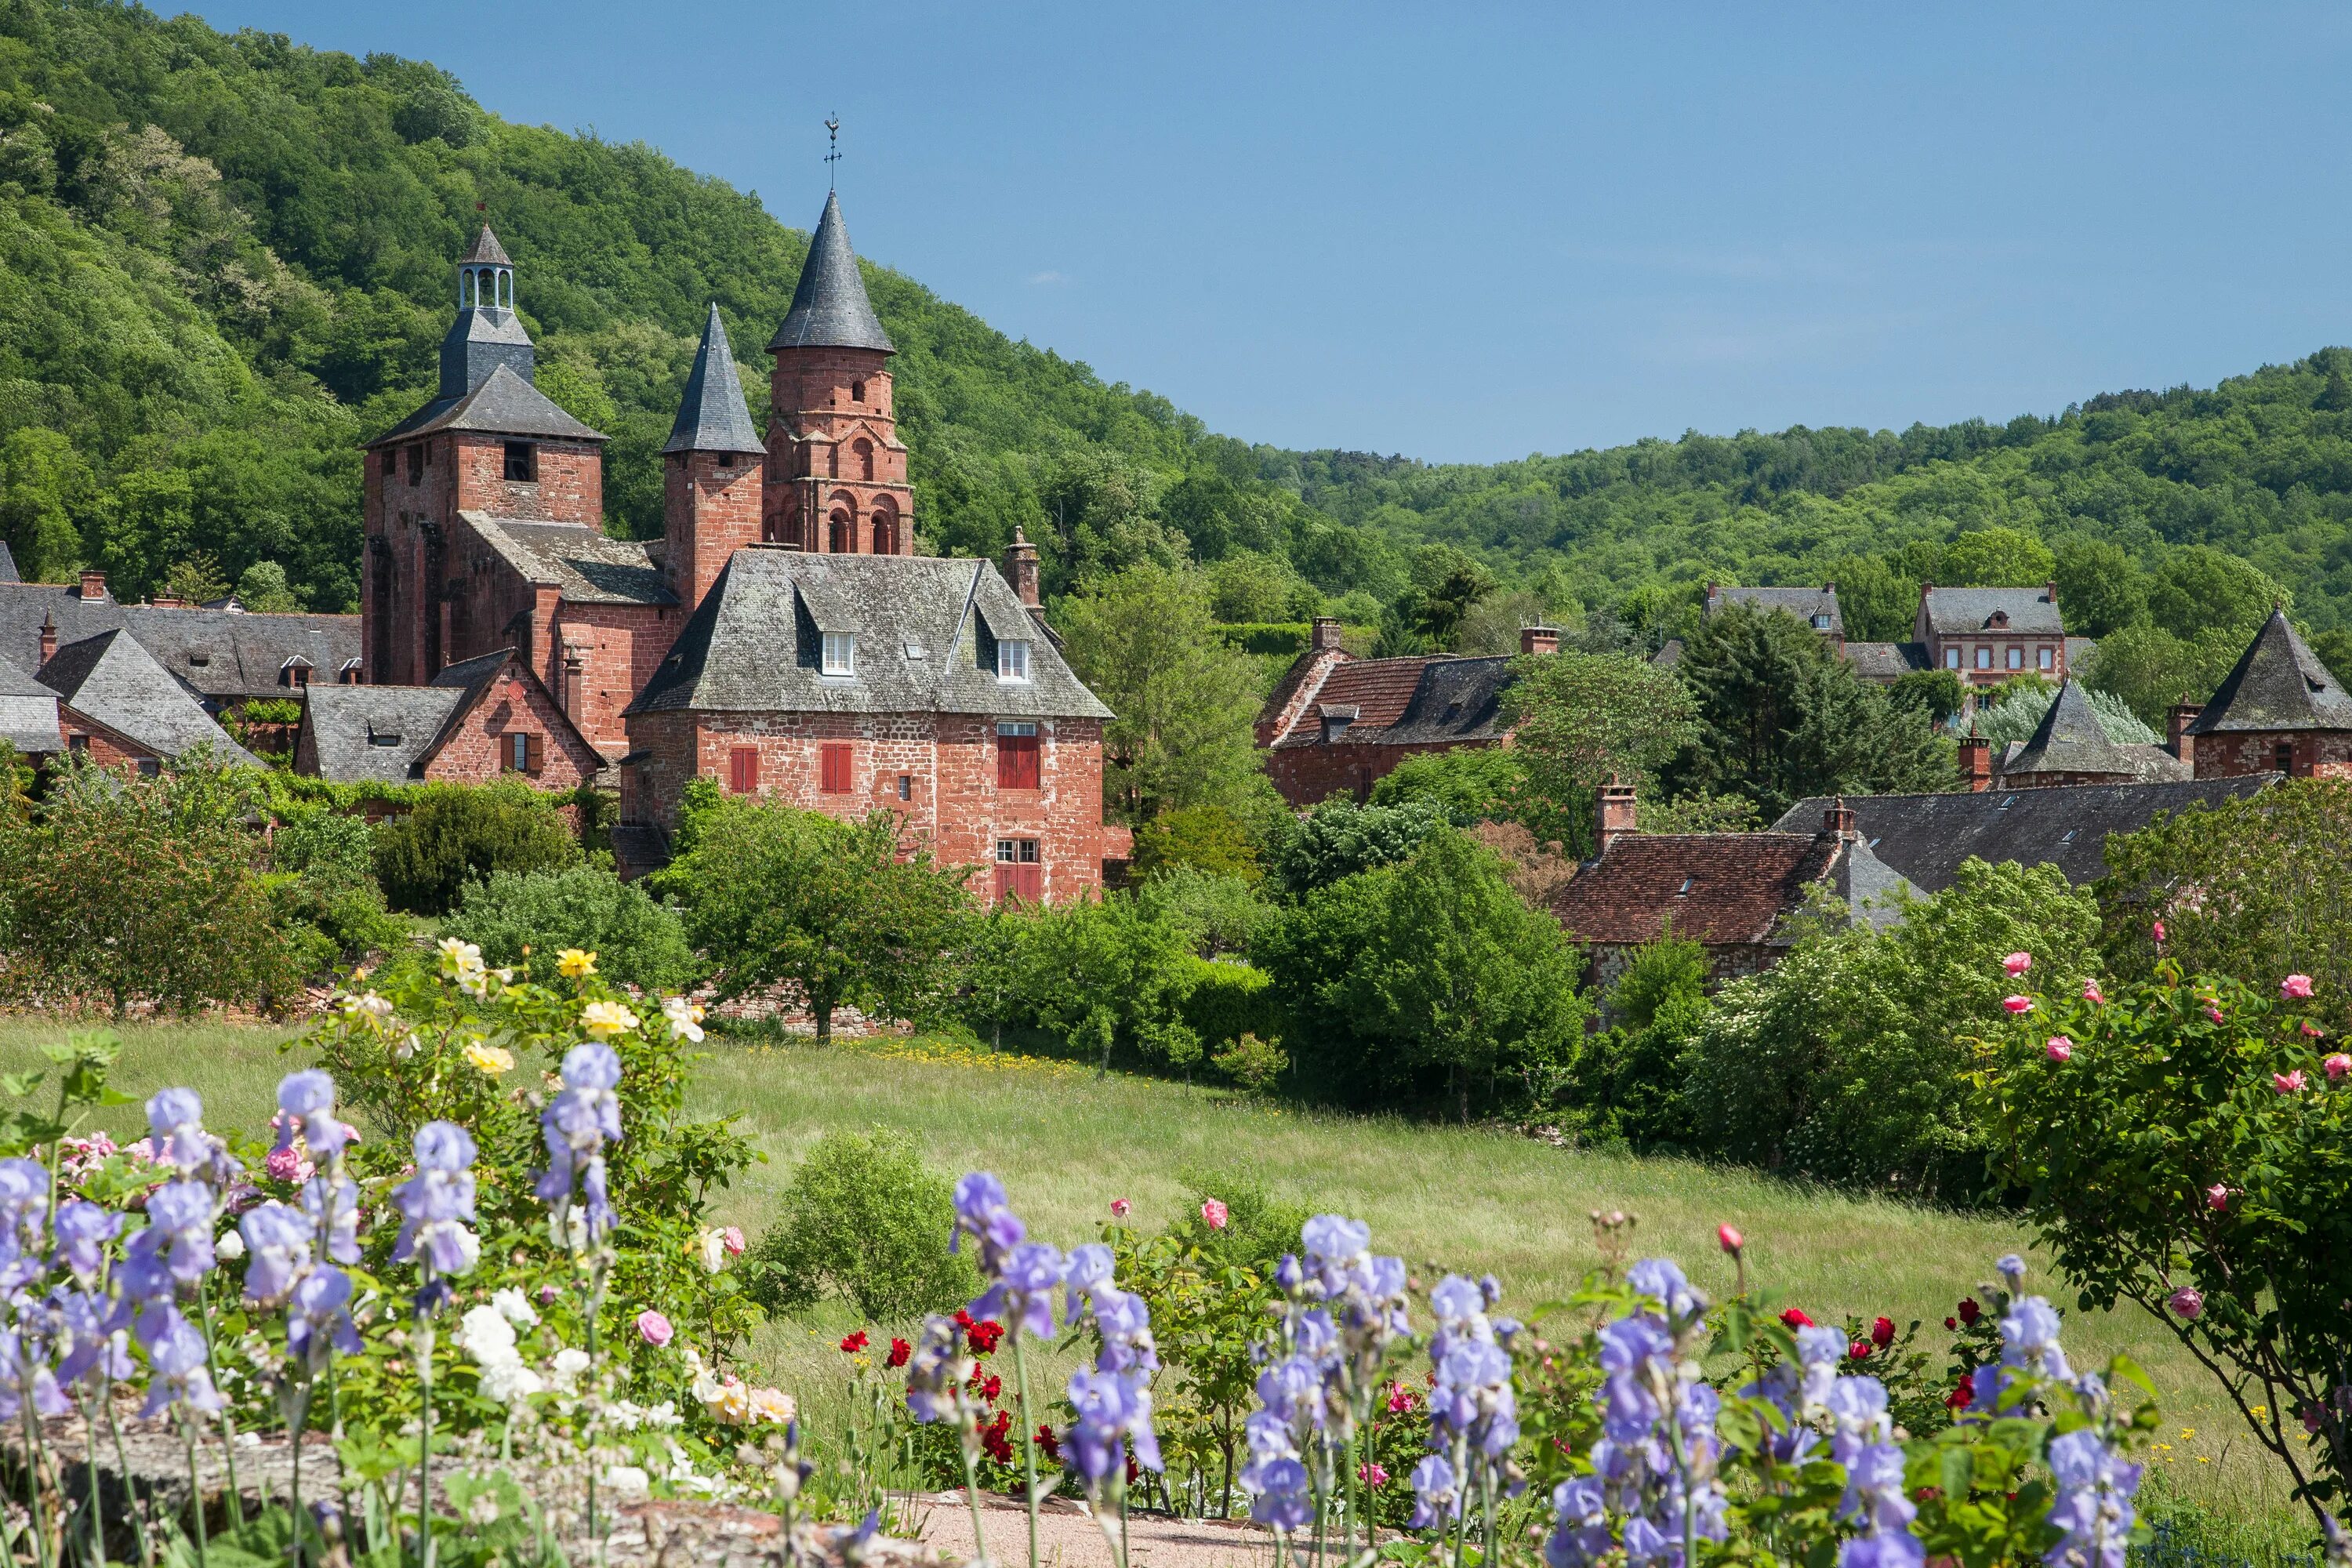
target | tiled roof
[
  {"x": 1803, "y": 603},
  {"x": 2070, "y": 739},
  {"x": 112, "y": 680},
  {"x": 589, "y": 566},
  {"x": 1455, "y": 700},
  {"x": 2277, "y": 684},
  {"x": 1927, "y": 836},
  {"x": 927, "y": 631},
  {"x": 712, "y": 416},
  {"x": 233, "y": 656},
  {"x": 29, "y": 712},
  {"x": 1886, "y": 660},
  {"x": 504, "y": 403},
  {"x": 1955, "y": 612},
  {"x": 829, "y": 307},
  {"x": 1712, "y": 888}
]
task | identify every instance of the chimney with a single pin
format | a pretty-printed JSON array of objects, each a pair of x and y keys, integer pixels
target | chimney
[
  {"x": 1976, "y": 763},
  {"x": 2051, "y": 590},
  {"x": 48, "y": 638},
  {"x": 93, "y": 582},
  {"x": 2177, "y": 740},
  {"x": 1327, "y": 633},
  {"x": 1021, "y": 568},
  {"x": 1838, "y": 821},
  {"x": 1539, "y": 640},
  {"x": 1616, "y": 812}
]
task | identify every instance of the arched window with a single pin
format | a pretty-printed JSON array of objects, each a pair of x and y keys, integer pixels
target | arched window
[
  {"x": 886, "y": 531},
  {"x": 844, "y": 537},
  {"x": 863, "y": 450}
]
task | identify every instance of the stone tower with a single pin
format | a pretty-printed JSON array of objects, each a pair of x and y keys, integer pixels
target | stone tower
[
  {"x": 836, "y": 478},
  {"x": 711, "y": 486}
]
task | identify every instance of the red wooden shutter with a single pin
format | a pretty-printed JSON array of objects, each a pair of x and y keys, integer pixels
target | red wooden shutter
[
  {"x": 1017, "y": 762},
  {"x": 743, "y": 770},
  {"x": 833, "y": 768}
]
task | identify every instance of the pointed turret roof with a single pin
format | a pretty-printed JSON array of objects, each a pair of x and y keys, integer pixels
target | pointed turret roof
[
  {"x": 2070, "y": 739},
  {"x": 2278, "y": 683},
  {"x": 830, "y": 310},
  {"x": 712, "y": 416},
  {"x": 486, "y": 251}
]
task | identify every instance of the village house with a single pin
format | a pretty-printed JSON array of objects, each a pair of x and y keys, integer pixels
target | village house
[
  {"x": 1817, "y": 607},
  {"x": 1735, "y": 894},
  {"x": 475, "y": 721},
  {"x": 1983, "y": 636},
  {"x": 2278, "y": 711},
  {"x": 119, "y": 708},
  {"x": 1336, "y": 724}
]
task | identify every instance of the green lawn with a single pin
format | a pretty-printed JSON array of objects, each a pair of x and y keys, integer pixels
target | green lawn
[{"x": 1067, "y": 1143}]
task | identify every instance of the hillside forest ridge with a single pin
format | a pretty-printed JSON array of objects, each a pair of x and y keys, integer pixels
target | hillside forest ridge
[{"x": 224, "y": 265}]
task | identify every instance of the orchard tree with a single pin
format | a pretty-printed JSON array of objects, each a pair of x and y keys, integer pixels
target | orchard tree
[{"x": 840, "y": 911}]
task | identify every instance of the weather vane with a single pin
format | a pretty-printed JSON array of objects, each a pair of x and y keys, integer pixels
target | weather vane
[{"x": 832, "y": 147}]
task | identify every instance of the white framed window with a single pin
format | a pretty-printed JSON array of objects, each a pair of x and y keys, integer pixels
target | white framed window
[
  {"x": 2045, "y": 658},
  {"x": 840, "y": 653},
  {"x": 1984, "y": 656},
  {"x": 2017, "y": 658},
  {"x": 1951, "y": 658},
  {"x": 1012, "y": 661}
]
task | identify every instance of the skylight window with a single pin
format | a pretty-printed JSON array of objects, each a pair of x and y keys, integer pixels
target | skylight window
[
  {"x": 840, "y": 653},
  {"x": 1012, "y": 661}
]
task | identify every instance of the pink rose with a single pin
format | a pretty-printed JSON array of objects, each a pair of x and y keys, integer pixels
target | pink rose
[
  {"x": 2217, "y": 1197},
  {"x": 2186, "y": 1304},
  {"x": 1119, "y": 1207},
  {"x": 2156, "y": 931},
  {"x": 2091, "y": 993},
  {"x": 2059, "y": 1048},
  {"x": 2018, "y": 1004},
  {"x": 731, "y": 1239},
  {"x": 1214, "y": 1212},
  {"x": 287, "y": 1165},
  {"x": 1728, "y": 1238},
  {"x": 2017, "y": 963},
  {"x": 2212, "y": 1012},
  {"x": 2288, "y": 1082},
  {"x": 2310, "y": 1031},
  {"x": 547, "y": 1294},
  {"x": 2337, "y": 1065},
  {"x": 653, "y": 1329},
  {"x": 2296, "y": 987}
]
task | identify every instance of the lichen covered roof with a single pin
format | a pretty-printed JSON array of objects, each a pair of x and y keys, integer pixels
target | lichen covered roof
[
  {"x": 112, "y": 680},
  {"x": 2278, "y": 683},
  {"x": 590, "y": 567}
]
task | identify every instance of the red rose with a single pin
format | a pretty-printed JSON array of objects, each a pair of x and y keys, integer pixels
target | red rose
[
  {"x": 992, "y": 1387},
  {"x": 1049, "y": 1443},
  {"x": 1881, "y": 1332},
  {"x": 993, "y": 1440},
  {"x": 1971, "y": 1311},
  {"x": 1796, "y": 1319},
  {"x": 854, "y": 1343},
  {"x": 900, "y": 1350},
  {"x": 963, "y": 1319},
  {"x": 1859, "y": 1350},
  {"x": 1951, "y": 1322},
  {"x": 1960, "y": 1397},
  {"x": 983, "y": 1336}
]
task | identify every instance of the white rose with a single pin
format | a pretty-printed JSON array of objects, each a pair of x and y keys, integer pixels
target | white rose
[
  {"x": 514, "y": 1306},
  {"x": 229, "y": 1248},
  {"x": 469, "y": 1250},
  {"x": 628, "y": 1480},
  {"x": 565, "y": 1370},
  {"x": 487, "y": 1336},
  {"x": 714, "y": 1251},
  {"x": 505, "y": 1382}
]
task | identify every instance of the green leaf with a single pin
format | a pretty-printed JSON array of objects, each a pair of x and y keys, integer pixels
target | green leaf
[{"x": 20, "y": 1084}]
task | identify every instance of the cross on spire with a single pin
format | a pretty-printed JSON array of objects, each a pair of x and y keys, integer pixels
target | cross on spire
[{"x": 832, "y": 147}]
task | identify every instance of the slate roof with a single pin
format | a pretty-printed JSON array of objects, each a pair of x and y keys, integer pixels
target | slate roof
[
  {"x": 590, "y": 567},
  {"x": 7, "y": 564},
  {"x": 712, "y": 416},
  {"x": 486, "y": 251},
  {"x": 1956, "y": 612},
  {"x": 1454, "y": 699},
  {"x": 927, "y": 630},
  {"x": 1886, "y": 660},
  {"x": 1803, "y": 603},
  {"x": 2070, "y": 739},
  {"x": 377, "y": 733},
  {"x": 29, "y": 712},
  {"x": 1927, "y": 836},
  {"x": 1717, "y": 888},
  {"x": 112, "y": 680},
  {"x": 829, "y": 306},
  {"x": 504, "y": 403},
  {"x": 233, "y": 656},
  {"x": 2277, "y": 684}
]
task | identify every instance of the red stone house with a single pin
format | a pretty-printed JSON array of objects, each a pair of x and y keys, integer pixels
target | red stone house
[
  {"x": 2278, "y": 711},
  {"x": 475, "y": 721},
  {"x": 1336, "y": 724}
]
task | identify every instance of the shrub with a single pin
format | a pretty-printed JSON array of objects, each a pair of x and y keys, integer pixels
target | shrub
[
  {"x": 1472, "y": 783},
  {"x": 1219, "y": 913},
  {"x": 1103, "y": 974},
  {"x": 1256, "y": 1065},
  {"x": 636, "y": 941},
  {"x": 1221, "y": 1001},
  {"x": 1339, "y": 838},
  {"x": 1206, "y": 838},
  {"x": 313, "y": 841},
  {"x": 461, "y": 832},
  {"x": 864, "y": 1220}
]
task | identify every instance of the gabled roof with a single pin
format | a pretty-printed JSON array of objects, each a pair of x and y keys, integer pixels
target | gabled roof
[
  {"x": 503, "y": 405},
  {"x": 486, "y": 251},
  {"x": 1956, "y": 612},
  {"x": 1886, "y": 660},
  {"x": 7, "y": 564},
  {"x": 1927, "y": 836},
  {"x": 112, "y": 680},
  {"x": 233, "y": 656},
  {"x": 1803, "y": 603},
  {"x": 390, "y": 734},
  {"x": 2278, "y": 683},
  {"x": 712, "y": 416},
  {"x": 590, "y": 567},
  {"x": 927, "y": 630},
  {"x": 1454, "y": 699},
  {"x": 29, "y": 712},
  {"x": 2070, "y": 739},
  {"x": 829, "y": 306},
  {"x": 1719, "y": 888}
]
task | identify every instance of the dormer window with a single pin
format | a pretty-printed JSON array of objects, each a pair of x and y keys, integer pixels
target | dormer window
[
  {"x": 295, "y": 671},
  {"x": 2000, "y": 618},
  {"x": 200, "y": 659},
  {"x": 1012, "y": 661},
  {"x": 1820, "y": 622},
  {"x": 840, "y": 656}
]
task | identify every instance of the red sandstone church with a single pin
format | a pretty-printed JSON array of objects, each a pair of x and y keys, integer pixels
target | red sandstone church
[{"x": 782, "y": 637}]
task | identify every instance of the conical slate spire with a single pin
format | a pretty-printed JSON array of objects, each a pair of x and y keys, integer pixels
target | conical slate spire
[
  {"x": 486, "y": 251},
  {"x": 2277, "y": 684},
  {"x": 712, "y": 417},
  {"x": 830, "y": 310}
]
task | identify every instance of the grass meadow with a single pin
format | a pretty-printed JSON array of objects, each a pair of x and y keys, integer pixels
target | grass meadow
[{"x": 1067, "y": 1143}]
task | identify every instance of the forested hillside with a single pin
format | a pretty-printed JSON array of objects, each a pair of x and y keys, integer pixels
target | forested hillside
[{"x": 225, "y": 260}]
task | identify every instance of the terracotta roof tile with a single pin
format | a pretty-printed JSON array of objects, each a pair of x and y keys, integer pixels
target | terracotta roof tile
[{"x": 1715, "y": 888}]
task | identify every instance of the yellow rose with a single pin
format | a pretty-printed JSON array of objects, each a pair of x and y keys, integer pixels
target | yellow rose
[
  {"x": 573, "y": 963},
  {"x": 489, "y": 1059},
  {"x": 605, "y": 1019}
]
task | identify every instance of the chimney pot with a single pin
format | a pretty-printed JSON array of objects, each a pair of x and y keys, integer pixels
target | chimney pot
[
  {"x": 2177, "y": 740},
  {"x": 1326, "y": 633},
  {"x": 48, "y": 638},
  {"x": 1539, "y": 640},
  {"x": 1021, "y": 568},
  {"x": 1617, "y": 805},
  {"x": 1838, "y": 821},
  {"x": 1976, "y": 763},
  {"x": 93, "y": 582}
]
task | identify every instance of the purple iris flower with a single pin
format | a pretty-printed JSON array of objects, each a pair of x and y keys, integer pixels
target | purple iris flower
[
  {"x": 1580, "y": 1533},
  {"x": 83, "y": 1229},
  {"x": 1283, "y": 1498},
  {"x": 175, "y": 1118},
  {"x": 332, "y": 1207},
  {"x": 175, "y": 1351},
  {"x": 436, "y": 1203},
  {"x": 319, "y": 1318},
  {"x": 2094, "y": 1502},
  {"x": 24, "y": 1209},
  {"x": 1023, "y": 1293},
  {"x": 93, "y": 1346},
  {"x": 307, "y": 1098},
  {"x": 180, "y": 1229},
  {"x": 277, "y": 1248},
  {"x": 23, "y": 1372},
  {"x": 576, "y": 1125},
  {"x": 1437, "y": 1493},
  {"x": 935, "y": 1371},
  {"x": 983, "y": 1213}
]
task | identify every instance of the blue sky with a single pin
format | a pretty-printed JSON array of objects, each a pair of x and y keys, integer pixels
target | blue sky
[{"x": 1467, "y": 233}]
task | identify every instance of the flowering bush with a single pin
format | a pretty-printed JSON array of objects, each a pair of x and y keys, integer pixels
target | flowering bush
[{"x": 2186, "y": 1154}]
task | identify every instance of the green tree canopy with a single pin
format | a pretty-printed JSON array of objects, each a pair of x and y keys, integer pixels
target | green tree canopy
[{"x": 1582, "y": 720}]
